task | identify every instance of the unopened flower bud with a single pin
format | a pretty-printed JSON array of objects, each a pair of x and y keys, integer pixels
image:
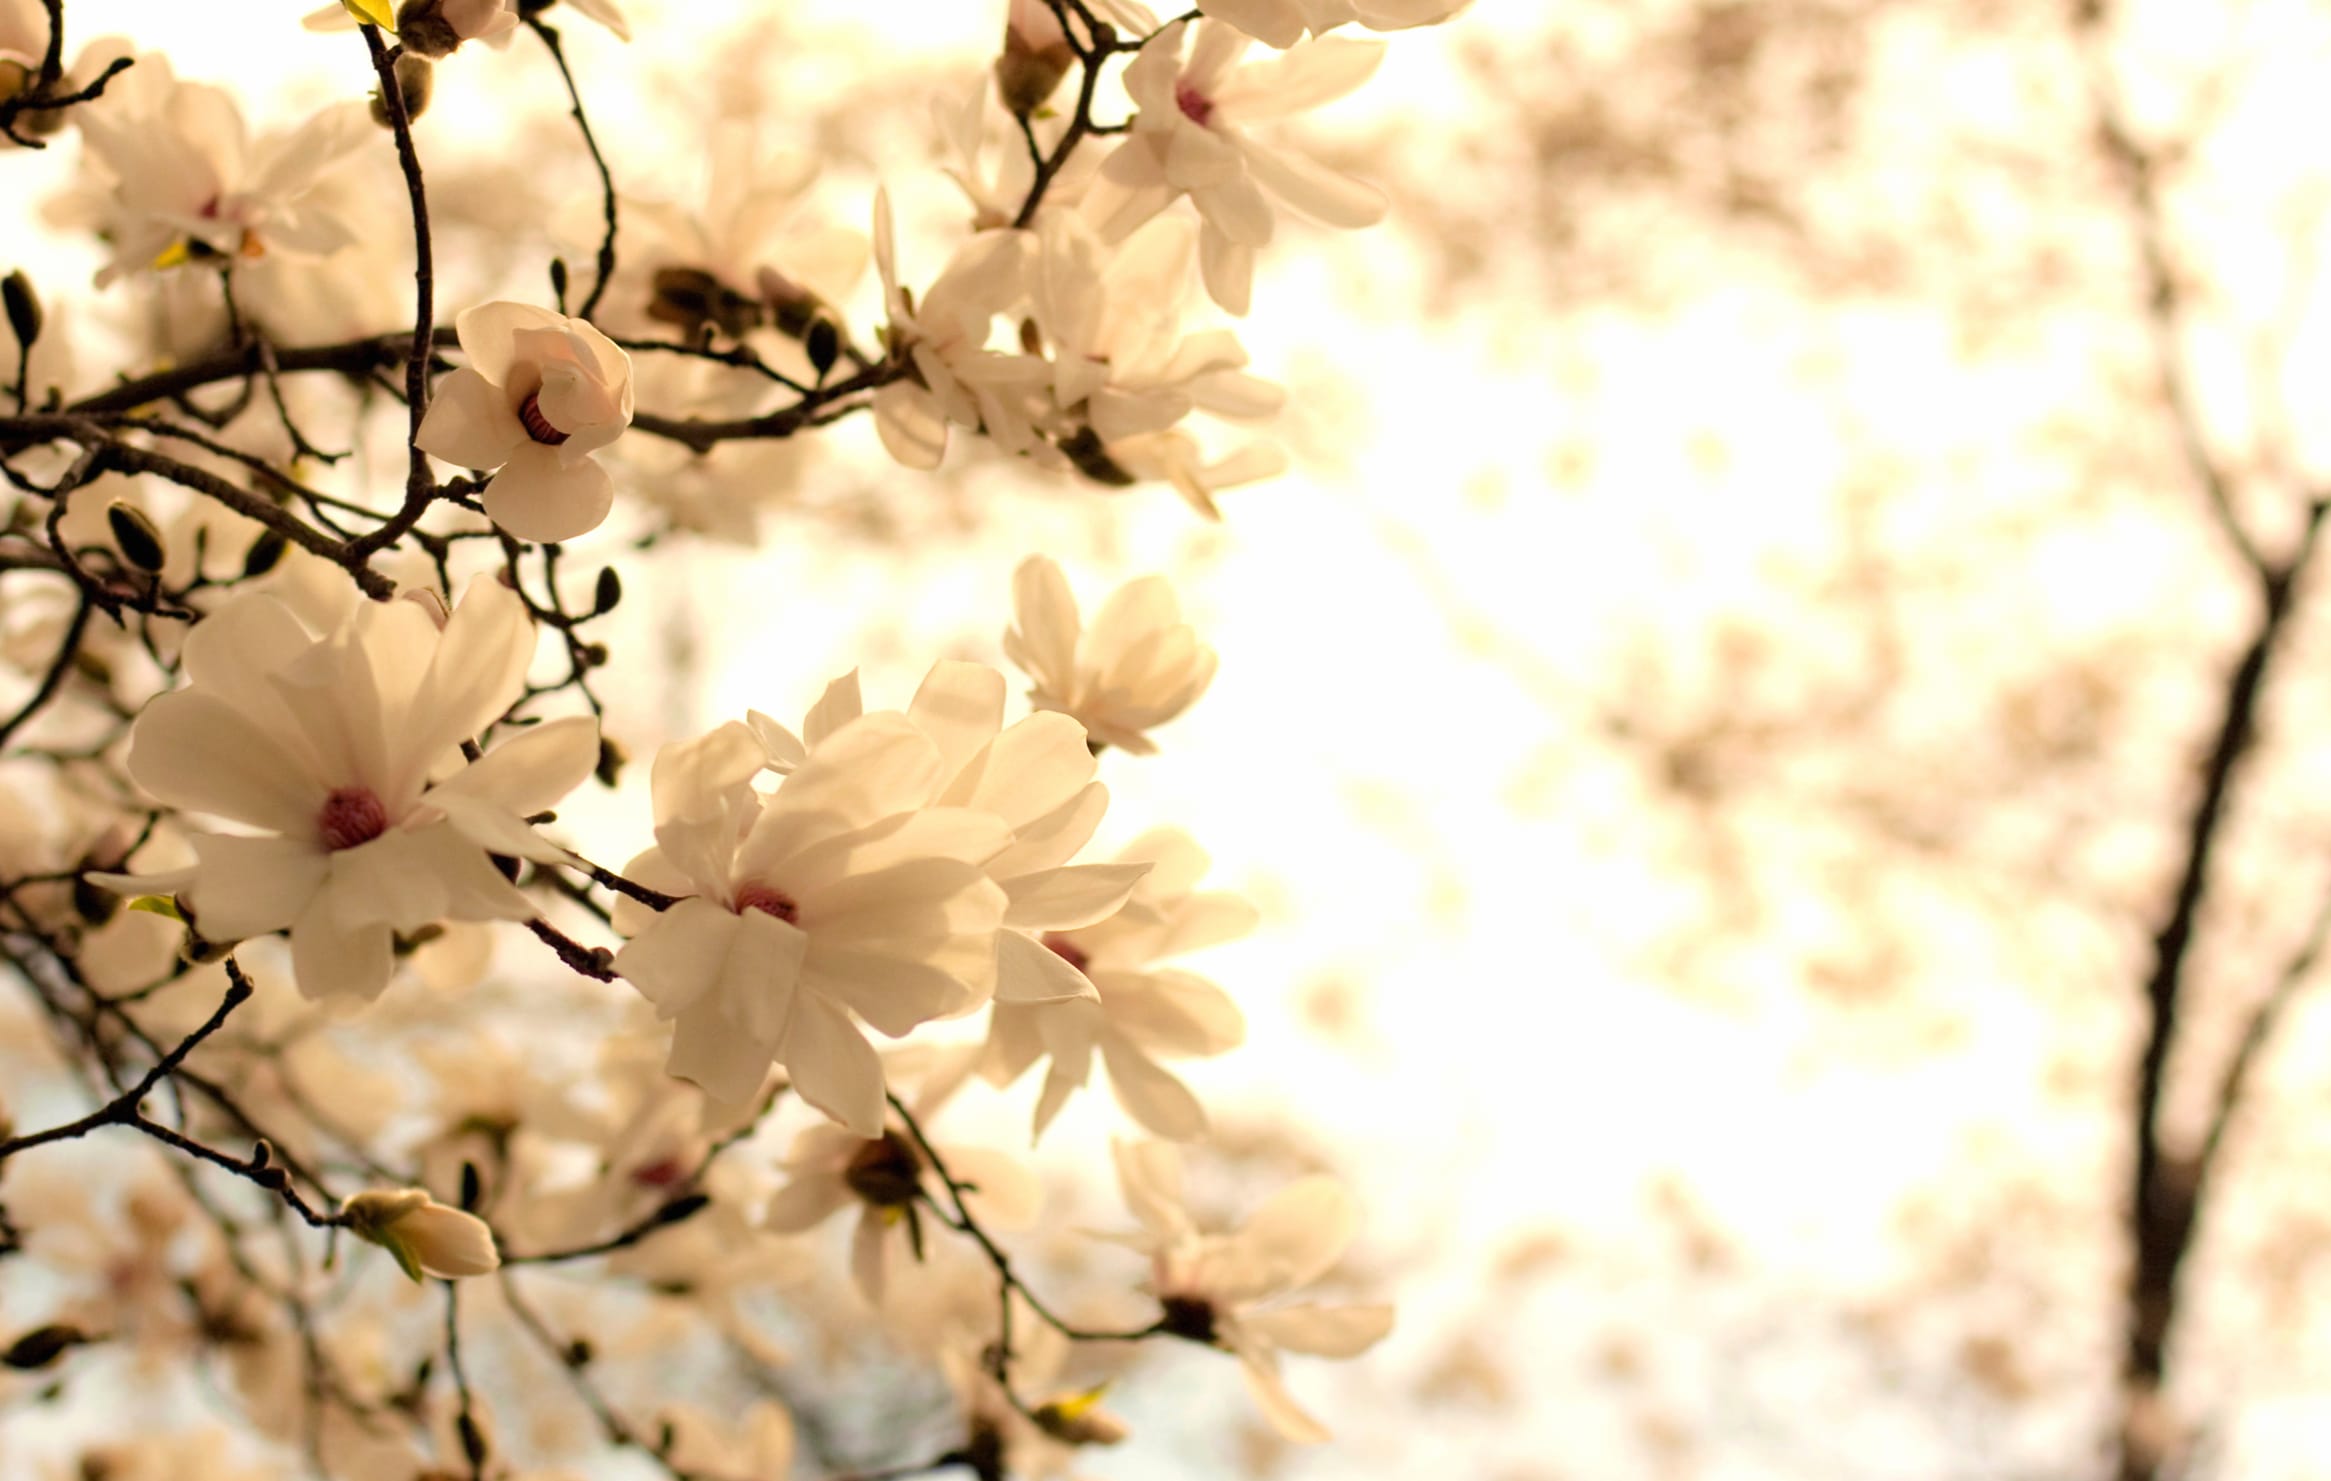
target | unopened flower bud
[
  {"x": 424, "y": 1236},
  {"x": 423, "y": 30},
  {"x": 1036, "y": 56},
  {"x": 264, "y": 554},
  {"x": 415, "y": 80},
  {"x": 42, "y": 1346},
  {"x": 692, "y": 300},
  {"x": 1079, "y": 1419},
  {"x": 24, "y": 316},
  {"x": 135, "y": 536}
]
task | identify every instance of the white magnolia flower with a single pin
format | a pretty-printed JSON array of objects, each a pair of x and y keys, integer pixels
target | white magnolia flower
[
  {"x": 186, "y": 183},
  {"x": 540, "y": 394},
  {"x": 839, "y": 894},
  {"x": 830, "y": 1169},
  {"x": 606, "y": 13},
  {"x": 1140, "y": 1011},
  {"x": 1036, "y": 779},
  {"x": 1138, "y": 666},
  {"x": 1213, "y": 1286},
  {"x": 1111, "y": 318},
  {"x": 340, "y": 752},
  {"x": 1281, "y": 23},
  {"x": 1191, "y": 138},
  {"x": 1175, "y": 457},
  {"x": 754, "y": 253},
  {"x": 425, "y": 1236},
  {"x": 432, "y": 28},
  {"x": 956, "y": 380}
]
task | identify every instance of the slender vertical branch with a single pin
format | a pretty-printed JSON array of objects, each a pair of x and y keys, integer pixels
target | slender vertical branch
[
  {"x": 605, "y": 269},
  {"x": 420, "y": 486},
  {"x": 2164, "y": 1189}
]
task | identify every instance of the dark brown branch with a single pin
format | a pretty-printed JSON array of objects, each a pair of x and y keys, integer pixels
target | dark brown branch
[
  {"x": 605, "y": 269},
  {"x": 2163, "y": 1189},
  {"x": 420, "y": 485}
]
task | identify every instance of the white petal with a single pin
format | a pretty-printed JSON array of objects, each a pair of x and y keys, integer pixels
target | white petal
[
  {"x": 960, "y": 706},
  {"x": 1229, "y": 271},
  {"x": 1293, "y": 1239},
  {"x": 1317, "y": 191},
  {"x": 250, "y": 886},
  {"x": 1150, "y": 1176},
  {"x": 910, "y": 424},
  {"x": 833, "y": 1067},
  {"x": 469, "y": 423},
  {"x": 1063, "y": 899},
  {"x": 805, "y": 1203},
  {"x": 534, "y": 498},
  {"x": 489, "y": 334},
  {"x": 1047, "y": 628},
  {"x": 192, "y": 750},
  {"x": 329, "y": 960},
  {"x": 1033, "y": 768},
  {"x": 835, "y": 708},
  {"x": 1286, "y": 1416},
  {"x": 533, "y": 770},
  {"x": 680, "y": 954},
  {"x": 1324, "y": 1331},
  {"x": 1273, "y": 22},
  {"x": 1151, "y": 1094},
  {"x": 1027, "y": 971},
  {"x": 1297, "y": 81}
]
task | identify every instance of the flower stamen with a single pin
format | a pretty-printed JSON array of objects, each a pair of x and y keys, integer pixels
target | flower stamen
[
  {"x": 1067, "y": 950},
  {"x": 1195, "y": 105},
  {"x": 536, "y": 424},
  {"x": 350, "y": 816},
  {"x": 758, "y": 896}
]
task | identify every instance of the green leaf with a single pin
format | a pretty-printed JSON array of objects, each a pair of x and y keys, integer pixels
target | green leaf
[
  {"x": 407, "y": 1261},
  {"x": 161, "y": 905}
]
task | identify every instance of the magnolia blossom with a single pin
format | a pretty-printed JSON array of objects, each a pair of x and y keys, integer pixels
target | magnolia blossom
[
  {"x": 1034, "y": 777},
  {"x": 1281, "y": 23},
  {"x": 1191, "y": 138},
  {"x": 956, "y": 379},
  {"x": 429, "y": 28},
  {"x": 340, "y": 752},
  {"x": 425, "y": 1236},
  {"x": 187, "y": 183},
  {"x": 841, "y": 893},
  {"x": 754, "y": 253},
  {"x": 1139, "y": 1010},
  {"x": 830, "y": 1169},
  {"x": 1175, "y": 457},
  {"x": 540, "y": 394},
  {"x": 1213, "y": 1286},
  {"x": 1111, "y": 317},
  {"x": 1138, "y": 666}
]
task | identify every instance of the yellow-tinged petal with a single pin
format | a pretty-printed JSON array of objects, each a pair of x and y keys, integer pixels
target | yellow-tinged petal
[{"x": 373, "y": 13}]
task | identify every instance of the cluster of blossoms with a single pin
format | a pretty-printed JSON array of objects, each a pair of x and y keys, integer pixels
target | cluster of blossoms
[{"x": 297, "y": 854}]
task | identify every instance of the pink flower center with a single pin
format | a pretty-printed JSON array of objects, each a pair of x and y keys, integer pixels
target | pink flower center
[
  {"x": 536, "y": 424},
  {"x": 350, "y": 816},
  {"x": 1195, "y": 105},
  {"x": 662, "y": 1173},
  {"x": 1067, "y": 950},
  {"x": 758, "y": 896}
]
